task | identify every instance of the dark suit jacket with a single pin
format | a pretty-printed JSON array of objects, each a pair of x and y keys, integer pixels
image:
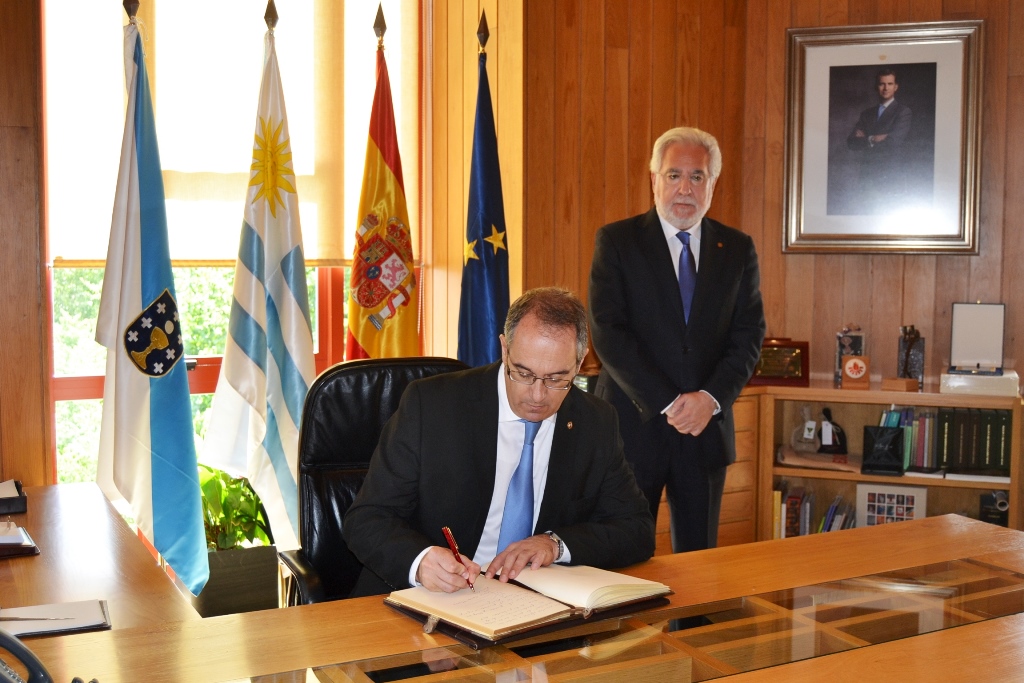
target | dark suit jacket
[
  {"x": 894, "y": 124},
  {"x": 435, "y": 464},
  {"x": 649, "y": 354}
]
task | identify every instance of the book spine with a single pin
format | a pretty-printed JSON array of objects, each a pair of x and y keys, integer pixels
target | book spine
[
  {"x": 974, "y": 439},
  {"x": 943, "y": 436},
  {"x": 958, "y": 449},
  {"x": 1003, "y": 432}
]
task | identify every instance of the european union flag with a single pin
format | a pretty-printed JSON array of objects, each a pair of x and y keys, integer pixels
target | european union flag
[{"x": 484, "y": 302}]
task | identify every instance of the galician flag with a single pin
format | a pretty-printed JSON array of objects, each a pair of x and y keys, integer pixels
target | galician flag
[
  {"x": 383, "y": 309},
  {"x": 268, "y": 361},
  {"x": 484, "y": 303},
  {"x": 147, "y": 442}
]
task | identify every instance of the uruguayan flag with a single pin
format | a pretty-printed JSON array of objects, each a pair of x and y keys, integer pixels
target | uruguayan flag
[
  {"x": 268, "y": 362},
  {"x": 147, "y": 443}
]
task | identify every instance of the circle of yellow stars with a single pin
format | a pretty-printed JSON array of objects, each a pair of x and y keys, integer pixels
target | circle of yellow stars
[{"x": 496, "y": 240}]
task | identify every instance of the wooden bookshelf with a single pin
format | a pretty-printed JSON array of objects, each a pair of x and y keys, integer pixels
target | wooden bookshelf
[{"x": 779, "y": 413}]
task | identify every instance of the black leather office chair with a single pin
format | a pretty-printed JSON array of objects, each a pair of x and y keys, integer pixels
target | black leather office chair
[{"x": 342, "y": 418}]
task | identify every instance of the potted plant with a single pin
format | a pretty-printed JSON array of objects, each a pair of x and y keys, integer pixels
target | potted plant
[{"x": 243, "y": 559}]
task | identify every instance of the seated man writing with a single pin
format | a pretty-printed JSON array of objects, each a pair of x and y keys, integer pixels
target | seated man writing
[{"x": 523, "y": 467}]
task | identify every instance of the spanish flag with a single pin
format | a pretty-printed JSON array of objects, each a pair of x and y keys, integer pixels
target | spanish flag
[{"x": 383, "y": 308}]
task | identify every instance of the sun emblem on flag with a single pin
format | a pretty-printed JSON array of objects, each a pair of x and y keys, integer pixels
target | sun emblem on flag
[{"x": 271, "y": 157}]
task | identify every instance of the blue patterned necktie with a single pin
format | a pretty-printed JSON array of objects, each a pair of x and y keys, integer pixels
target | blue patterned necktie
[
  {"x": 687, "y": 273},
  {"x": 881, "y": 110},
  {"x": 517, "y": 519}
]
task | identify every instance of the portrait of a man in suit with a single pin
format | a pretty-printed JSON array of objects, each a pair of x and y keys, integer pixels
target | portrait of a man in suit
[
  {"x": 881, "y": 138},
  {"x": 677, "y": 322}
]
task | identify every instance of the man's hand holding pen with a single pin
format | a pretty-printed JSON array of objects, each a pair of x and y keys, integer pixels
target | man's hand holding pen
[{"x": 440, "y": 571}]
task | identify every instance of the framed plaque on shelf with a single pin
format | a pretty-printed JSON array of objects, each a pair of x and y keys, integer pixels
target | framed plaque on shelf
[{"x": 783, "y": 362}]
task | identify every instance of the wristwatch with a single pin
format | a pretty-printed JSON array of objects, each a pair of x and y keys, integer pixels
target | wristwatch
[{"x": 558, "y": 542}]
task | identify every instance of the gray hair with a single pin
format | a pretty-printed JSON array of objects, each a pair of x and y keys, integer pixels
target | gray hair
[
  {"x": 693, "y": 136},
  {"x": 554, "y": 307}
]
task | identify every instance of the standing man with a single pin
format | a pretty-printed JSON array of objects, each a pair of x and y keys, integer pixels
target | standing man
[
  {"x": 677, "y": 321},
  {"x": 524, "y": 467},
  {"x": 878, "y": 140}
]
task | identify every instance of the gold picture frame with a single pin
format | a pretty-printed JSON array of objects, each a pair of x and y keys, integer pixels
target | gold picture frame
[{"x": 905, "y": 179}]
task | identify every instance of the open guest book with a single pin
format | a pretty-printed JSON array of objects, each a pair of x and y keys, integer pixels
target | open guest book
[{"x": 549, "y": 596}]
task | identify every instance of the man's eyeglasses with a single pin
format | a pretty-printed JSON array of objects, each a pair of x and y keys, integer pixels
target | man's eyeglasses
[
  {"x": 673, "y": 178},
  {"x": 528, "y": 378}
]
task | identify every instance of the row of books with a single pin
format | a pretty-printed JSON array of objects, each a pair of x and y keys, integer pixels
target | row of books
[
  {"x": 793, "y": 513},
  {"x": 960, "y": 442}
]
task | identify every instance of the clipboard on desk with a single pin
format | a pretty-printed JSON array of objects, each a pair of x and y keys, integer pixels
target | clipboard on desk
[
  {"x": 21, "y": 546},
  {"x": 56, "y": 618}
]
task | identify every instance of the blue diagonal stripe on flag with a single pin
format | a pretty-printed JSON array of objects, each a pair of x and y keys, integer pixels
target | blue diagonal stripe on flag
[
  {"x": 268, "y": 362},
  {"x": 147, "y": 442}
]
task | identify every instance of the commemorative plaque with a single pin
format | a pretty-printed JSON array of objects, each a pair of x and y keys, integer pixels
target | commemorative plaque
[{"x": 783, "y": 362}]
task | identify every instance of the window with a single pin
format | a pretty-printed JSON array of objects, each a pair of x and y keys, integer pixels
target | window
[{"x": 205, "y": 101}]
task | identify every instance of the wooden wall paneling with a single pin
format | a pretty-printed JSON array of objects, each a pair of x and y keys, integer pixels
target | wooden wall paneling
[
  {"x": 856, "y": 301},
  {"x": 688, "y": 51},
  {"x": 733, "y": 63},
  {"x": 986, "y": 278},
  {"x": 752, "y": 188},
  {"x": 539, "y": 97},
  {"x": 641, "y": 136},
  {"x": 456, "y": 154},
  {"x": 663, "y": 72},
  {"x": 592, "y": 136},
  {"x": 919, "y": 298},
  {"x": 863, "y": 12},
  {"x": 509, "y": 121},
  {"x": 1013, "y": 234},
  {"x": 834, "y": 12},
  {"x": 825, "y": 308},
  {"x": 26, "y": 429},
  {"x": 436, "y": 240},
  {"x": 925, "y": 10},
  {"x": 563, "y": 235},
  {"x": 1013, "y": 239},
  {"x": 616, "y": 112},
  {"x": 793, "y": 281},
  {"x": 805, "y": 13},
  {"x": 713, "y": 103},
  {"x": 951, "y": 287},
  {"x": 882, "y": 329}
]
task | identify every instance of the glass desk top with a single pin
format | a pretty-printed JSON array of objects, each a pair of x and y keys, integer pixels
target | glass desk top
[{"x": 724, "y": 638}]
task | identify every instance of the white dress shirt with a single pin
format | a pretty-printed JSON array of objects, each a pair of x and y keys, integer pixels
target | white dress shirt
[{"x": 511, "y": 434}]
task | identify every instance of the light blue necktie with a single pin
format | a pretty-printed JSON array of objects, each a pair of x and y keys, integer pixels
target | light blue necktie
[
  {"x": 517, "y": 519},
  {"x": 687, "y": 273},
  {"x": 881, "y": 110}
]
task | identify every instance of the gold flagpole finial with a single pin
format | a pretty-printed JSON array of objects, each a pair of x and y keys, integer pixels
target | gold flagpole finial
[
  {"x": 131, "y": 7},
  {"x": 271, "y": 16},
  {"x": 482, "y": 33},
  {"x": 379, "y": 27}
]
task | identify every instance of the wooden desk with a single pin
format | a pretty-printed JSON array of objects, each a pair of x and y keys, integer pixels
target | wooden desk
[
  {"x": 88, "y": 552},
  {"x": 274, "y": 641}
]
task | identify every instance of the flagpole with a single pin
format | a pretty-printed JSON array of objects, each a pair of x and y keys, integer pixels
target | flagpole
[{"x": 131, "y": 8}]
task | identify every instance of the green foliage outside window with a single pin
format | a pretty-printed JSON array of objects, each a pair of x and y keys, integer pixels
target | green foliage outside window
[{"x": 204, "y": 299}]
